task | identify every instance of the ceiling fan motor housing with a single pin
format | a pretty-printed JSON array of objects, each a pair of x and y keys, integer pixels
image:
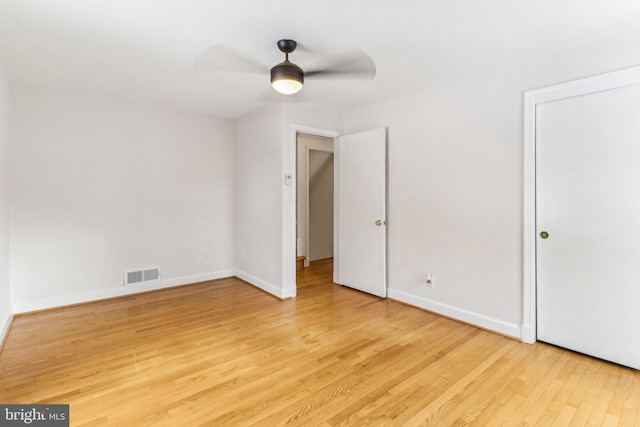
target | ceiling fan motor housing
[{"x": 287, "y": 71}]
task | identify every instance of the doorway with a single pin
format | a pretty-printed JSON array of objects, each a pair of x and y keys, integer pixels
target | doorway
[
  {"x": 314, "y": 198},
  {"x": 359, "y": 174}
]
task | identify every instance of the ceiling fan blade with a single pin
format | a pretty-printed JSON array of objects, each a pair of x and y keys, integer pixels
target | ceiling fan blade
[
  {"x": 221, "y": 58},
  {"x": 350, "y": 64}
]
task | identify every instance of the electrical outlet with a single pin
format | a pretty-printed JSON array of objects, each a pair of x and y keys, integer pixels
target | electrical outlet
[
  {"x": 199, "y": 260},
  {"x": 429, "y": 280}
]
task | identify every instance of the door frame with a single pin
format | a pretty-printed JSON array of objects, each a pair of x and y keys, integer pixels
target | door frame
[
  {"x": 607, "y": 81},
  {"x": 289, "y": 243}
]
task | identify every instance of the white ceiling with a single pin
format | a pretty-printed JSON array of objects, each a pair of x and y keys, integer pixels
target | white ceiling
[{"x": 144, "y": 50}]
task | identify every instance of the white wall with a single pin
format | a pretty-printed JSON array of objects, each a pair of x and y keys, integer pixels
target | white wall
[
  {"x": 265, "y": 206},
  {"x": 455, "y": 181},
  {"x": 321, "y": 208},
  {"x": 5, "y": 291},
  {"x": 258, "y": 199},
  {"x": 99, "y": 187}
]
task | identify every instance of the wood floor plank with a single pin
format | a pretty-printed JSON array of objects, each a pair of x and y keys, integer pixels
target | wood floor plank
[{"x": 224, "y": 353}]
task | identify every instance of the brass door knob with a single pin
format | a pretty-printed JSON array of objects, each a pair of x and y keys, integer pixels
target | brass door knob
[
  {"x": 378, "y": 223},
  {"x": 544, "y": 234}
]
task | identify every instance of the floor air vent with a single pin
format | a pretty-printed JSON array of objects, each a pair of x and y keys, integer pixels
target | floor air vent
[{"x": 137, "y": 276}]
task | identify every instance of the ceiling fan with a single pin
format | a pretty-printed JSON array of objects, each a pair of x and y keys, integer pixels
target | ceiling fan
[{"x": 286, "y": 77}]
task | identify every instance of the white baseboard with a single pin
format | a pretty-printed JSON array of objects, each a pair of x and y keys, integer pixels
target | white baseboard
[
  {"x": 528, "y": 334},
  {"x": 289, "y": 293},
  {"x": 476, "y": 319},
  {"x": 264, "y": 285},
  {"x": 78, "y": 298}
]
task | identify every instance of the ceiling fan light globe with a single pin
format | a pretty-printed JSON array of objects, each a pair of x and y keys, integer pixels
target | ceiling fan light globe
[
  {"x": 286, "y": 86},
  {"x": 287, "y": 78}
]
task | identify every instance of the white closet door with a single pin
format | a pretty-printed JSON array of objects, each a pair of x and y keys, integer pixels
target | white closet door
[{"x": 588, "y": 202}]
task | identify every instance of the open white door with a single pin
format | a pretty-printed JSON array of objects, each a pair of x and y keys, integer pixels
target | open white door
[{"x": 360, "y": 255}]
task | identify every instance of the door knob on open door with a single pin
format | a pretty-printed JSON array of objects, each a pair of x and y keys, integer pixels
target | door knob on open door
[
  {"x": 378, "y": 223},
  {"x": 544, "y": 234}
]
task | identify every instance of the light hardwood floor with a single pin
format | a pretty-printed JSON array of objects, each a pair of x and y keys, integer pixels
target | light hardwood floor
[{"x": 224, "y": 353}]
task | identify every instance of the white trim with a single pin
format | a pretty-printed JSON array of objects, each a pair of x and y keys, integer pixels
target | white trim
[
  {"x": 289, "y": 166},
  {"x": 529, "y": 222},
  {"x": 608, "y": 81},
  {"x": 4, "y": 326},
  {"x": 266, "y": 286},
  {"x": 307, "y": 260},
  {"x": 84, "y": 297},
  {"x": 466, "y": 316},
  {"x": 336, "y": 217}
]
